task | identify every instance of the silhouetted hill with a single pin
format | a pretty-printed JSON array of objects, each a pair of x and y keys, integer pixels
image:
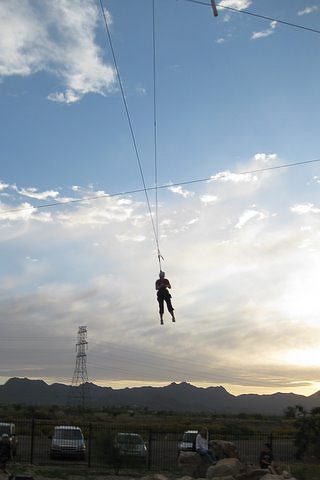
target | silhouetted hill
[{"x": 180, "y": 397}]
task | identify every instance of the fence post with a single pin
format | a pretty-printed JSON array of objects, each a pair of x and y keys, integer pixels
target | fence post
[
  {"x": 271, "y": 440},
  {"x": 32, "y": 440},
  {"x": 149, "y": 448},
  {"x": 89, "y": 445}
]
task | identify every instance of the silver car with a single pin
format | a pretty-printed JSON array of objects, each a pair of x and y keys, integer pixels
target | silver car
[{"x": 67, "y": 441}]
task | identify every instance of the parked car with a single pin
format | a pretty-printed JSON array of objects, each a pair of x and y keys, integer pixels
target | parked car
[
  {"x": 67, "y": 441},
  {"x": 10, "y": 429},
  {"x": 130, "y": 445},
  {"x": 188, "y": 442}
]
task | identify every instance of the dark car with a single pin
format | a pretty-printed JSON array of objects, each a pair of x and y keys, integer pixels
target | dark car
[{"x": 130, "y": 445}]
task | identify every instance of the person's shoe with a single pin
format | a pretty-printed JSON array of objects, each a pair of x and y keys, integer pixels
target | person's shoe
[
  {"x": 173, "y": 318},
  {"x": 161, "y": 320}
]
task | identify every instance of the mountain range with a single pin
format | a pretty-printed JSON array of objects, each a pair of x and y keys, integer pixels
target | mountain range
[{"x": 179, "y": 397}]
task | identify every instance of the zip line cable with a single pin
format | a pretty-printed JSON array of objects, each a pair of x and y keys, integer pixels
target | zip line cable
[
  {"x": 264, "y": 17},
  {"x": 155, "y": 136},
  {"x": 130, "y": 125},
  {"x": 162, "y": 187}
]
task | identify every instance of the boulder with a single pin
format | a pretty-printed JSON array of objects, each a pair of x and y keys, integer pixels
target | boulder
[
  {"x": 191, "y": 464},
  {"x": 154, "y": 476},
  {"x": 271, "y": 476},
  {"x": 252, "y": 474},
  {"x": 224, "y": 449},
  {"x": 226, "y": 467}
]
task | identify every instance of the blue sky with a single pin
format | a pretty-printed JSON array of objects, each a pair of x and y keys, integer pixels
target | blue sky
[{"x": 234, "y": 94}]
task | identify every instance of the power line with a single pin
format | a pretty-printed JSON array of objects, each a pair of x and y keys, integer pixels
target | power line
[
  {"x": 134, "y": 142},
  {"x": 155, "y": 137},
  {"x": 264, "y": 17},
  {"x": 149, "y": 189}
]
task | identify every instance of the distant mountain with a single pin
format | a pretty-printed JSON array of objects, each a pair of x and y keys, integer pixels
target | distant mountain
[{"x": 179, "y": 397}]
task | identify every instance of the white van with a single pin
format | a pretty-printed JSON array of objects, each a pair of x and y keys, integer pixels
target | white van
[
  {"x": 188, "y": 441},
  {"x": 67, "y": 441}
]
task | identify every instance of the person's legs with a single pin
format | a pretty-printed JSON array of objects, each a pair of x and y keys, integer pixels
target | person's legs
[
  {"x": 169, "y": 305},
  {"x": 3, "y": 465},
  {"x": 207, "y": 455},
  {"x": 161, "y": 307}
]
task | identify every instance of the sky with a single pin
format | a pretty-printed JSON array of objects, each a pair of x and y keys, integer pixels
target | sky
[{"x": 236, "y": 96}]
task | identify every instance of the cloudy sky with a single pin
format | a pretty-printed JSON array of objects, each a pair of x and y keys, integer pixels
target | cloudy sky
[{"x": 236, "y": 96}]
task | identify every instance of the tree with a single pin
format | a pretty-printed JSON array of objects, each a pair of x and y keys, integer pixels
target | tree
[{"x": 307, "y": 438}]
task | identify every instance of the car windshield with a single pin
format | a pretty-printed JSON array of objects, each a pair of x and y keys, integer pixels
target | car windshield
[
  {"x": 5, "y": 429},
  {"x": 132, "y": 439},
  {"x": 189, "y": 437},
  {"x": 66, "y": 434}
]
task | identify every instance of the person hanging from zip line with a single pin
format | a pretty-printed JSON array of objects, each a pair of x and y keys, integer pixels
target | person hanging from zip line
[{"x": 163, "y": 295}]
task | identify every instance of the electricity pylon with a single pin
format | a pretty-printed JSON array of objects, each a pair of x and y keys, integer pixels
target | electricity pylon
[{"x": 80, "y": 382}]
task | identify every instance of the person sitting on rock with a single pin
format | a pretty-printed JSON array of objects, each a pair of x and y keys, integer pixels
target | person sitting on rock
[
  {"x": 266, "y": 460},
  {"x": 202, "y": 446}
]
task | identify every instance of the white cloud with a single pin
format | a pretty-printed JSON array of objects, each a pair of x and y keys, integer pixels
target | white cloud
[
  {"x": 3, "y": 186},
  {"x": 265, "y": 157},
  {"x": 23, "y": 211},
  {"x": 220, "y": 40},
  {"x": 180, "y": 191},
  {"x": 69, "y": 96},
  {"x": 58, "y": 38},
  {"x": 32, "y": 192},
  {"x": 264, "y": 33},
  {"x": 128, "y": 238},
  {"x": 228, "y": 176},
  {"x": 308, "y": 10},
  {"x": 141, "y": 91},
  {"x": 193, "y": 221},
  {"x": 108, "y": 17},
  {"x": 303, "y": 208},
  {"x": 208, "y": 199},
  {"x": 248, "y": 215},
  {"x": 32, "y": 259},
  {"x": 237, "y": 4}
]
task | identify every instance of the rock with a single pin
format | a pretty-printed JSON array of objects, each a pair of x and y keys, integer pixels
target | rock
[
  {"x": 252, "y": 474},
  {"x": 191, "y": 464},
  {"x": 189, "y": 458},
  {"x": 226, "y": 477},
  {"x": 271, "y": 476},
  {"x": 224, "y": 449},
  {"x": 154, "y": 476},
  {"x": 226, "y": 467}
]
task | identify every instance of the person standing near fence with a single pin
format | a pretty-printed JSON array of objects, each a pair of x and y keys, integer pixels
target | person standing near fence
[
  {"x": 5, "y": 452},
  {"x": 202, "y": 446}
]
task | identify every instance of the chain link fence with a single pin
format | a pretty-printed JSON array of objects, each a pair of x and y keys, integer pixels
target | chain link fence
[{"x": 119, "y": 447}]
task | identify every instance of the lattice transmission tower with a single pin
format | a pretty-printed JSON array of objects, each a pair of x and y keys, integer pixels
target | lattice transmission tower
[{"x": 80, "y": 382}]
